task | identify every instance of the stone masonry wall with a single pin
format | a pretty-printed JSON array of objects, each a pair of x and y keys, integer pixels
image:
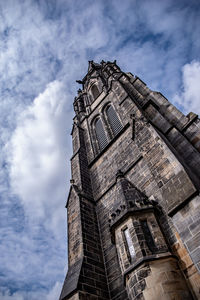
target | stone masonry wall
[
  {"x": 147, "y": 161},
  {"x": 92, "y": 279},
  {"x": 158, "y": 151},
  {"x": 159, "y": 279}
]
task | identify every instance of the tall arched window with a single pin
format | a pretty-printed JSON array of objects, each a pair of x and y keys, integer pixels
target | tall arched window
[
  {"x": 100, "y": 134},
  {"x": 95, "y": 91},
  {"x": 113, "y": 120}
]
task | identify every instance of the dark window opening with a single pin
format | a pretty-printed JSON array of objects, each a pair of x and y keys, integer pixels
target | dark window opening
[
  {"x": 95, "y": 91},
  {"x": 148, "y": 236},
  {"x": 100, "y": 133},
  {"x": 113, "y": 120}
]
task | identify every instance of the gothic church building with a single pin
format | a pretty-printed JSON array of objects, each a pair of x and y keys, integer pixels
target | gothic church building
[{"x": 134, "y": 205}]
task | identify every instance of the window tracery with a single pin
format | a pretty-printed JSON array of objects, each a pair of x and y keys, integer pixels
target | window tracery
[
  {"x": 113, "y": 120},
  {"x": 105, "y": 127},
  {"x": 100, "y": 134}
]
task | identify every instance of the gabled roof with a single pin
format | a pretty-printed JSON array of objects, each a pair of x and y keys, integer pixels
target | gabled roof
[
  {"x": 130, "y": 192},
  {"x": 74, "y": 188},
  {"x": 71, "y": 281}
]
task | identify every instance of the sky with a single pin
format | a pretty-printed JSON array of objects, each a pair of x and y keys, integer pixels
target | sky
[{"x": 45, "y": 46}]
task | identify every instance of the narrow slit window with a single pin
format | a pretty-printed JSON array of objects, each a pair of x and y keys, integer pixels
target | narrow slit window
[
  {"x": 113, "y": 120},
  {"x": 100, "y": 133},
  {"x": 95, "y": 91},
  {"x": 148, "y": 236},
  {"x": 129, "y": 244}
]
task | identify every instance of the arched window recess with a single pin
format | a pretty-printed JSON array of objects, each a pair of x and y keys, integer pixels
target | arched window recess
[
  {"x": 113, "y": 120},
  {"x": 100, "y": 134},
  {"x": 95, "y": 91}
]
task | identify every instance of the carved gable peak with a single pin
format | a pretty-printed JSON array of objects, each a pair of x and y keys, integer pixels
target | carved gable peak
[
  {"x": 133, "y": 196},
  {"x": 93, "y": 66}
]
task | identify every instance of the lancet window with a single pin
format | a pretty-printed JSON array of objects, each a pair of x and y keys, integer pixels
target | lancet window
[
  {"x": 128, "y": 244},
  {"x": 105, "y": 126},
  {"x": 95, "y": 91},
  {"x": 113, "y": 120},
  {"x": 148, "y": 236},
  {"x": 100, "y": 134}
]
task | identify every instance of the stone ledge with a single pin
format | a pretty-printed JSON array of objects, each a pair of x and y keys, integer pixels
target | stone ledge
[{"x": 192, "y": 118}]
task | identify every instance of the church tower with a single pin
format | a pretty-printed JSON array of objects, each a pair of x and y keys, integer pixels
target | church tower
[{"x": 133, "y": 205}]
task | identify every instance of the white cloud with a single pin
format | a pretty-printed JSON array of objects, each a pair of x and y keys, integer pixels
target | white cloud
[
  {"x": 38, "y": 154},
  {"x": 39, "y": 151},
  {"x": 189, "y": 98}
]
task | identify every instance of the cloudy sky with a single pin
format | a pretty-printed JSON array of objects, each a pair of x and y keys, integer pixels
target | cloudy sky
[{"x": 45, "y": 46}]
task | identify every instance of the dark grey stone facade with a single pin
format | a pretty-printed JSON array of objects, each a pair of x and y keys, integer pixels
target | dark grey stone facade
[{"x": 134, "y": 205}]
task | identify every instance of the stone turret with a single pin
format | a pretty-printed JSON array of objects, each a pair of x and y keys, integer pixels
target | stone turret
[{"x": 145, "y": 257}]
